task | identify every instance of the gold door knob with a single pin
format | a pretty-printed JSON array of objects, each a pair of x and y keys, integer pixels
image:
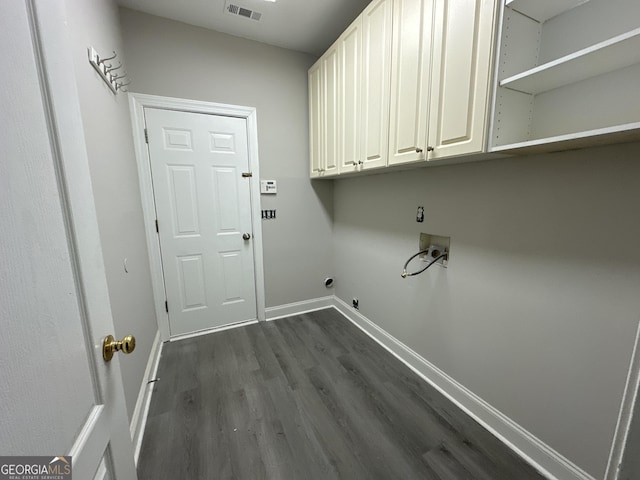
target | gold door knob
[{"x": 110, "y": 346}]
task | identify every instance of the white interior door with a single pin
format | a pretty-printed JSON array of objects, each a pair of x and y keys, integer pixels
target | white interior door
[
  {"x": 58, "y": 395},
  {"x": 203, "y": 206}
]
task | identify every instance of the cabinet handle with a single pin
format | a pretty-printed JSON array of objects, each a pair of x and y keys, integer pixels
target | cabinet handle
[
  {"x": 360, "y": 162},
  {"x": 418, "y": 150},
  {"x": 354, "y": 163},
  {"x": 429, "y": 149}
]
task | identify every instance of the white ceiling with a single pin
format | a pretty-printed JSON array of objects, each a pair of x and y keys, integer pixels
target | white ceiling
[{"x": 305, "y": 25}]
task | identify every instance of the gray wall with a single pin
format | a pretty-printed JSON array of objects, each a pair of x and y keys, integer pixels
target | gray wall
[
  {"x": 115, "y": 185},
  {"x": 173, "y": 59},
  {"x": 538, "y": 310}
]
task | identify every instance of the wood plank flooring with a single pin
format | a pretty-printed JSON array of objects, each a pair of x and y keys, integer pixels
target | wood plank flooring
[{"x": 308, "y": 397}]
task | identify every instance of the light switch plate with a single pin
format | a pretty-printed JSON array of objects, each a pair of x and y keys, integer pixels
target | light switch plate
[{"x": 268, "y": 186}]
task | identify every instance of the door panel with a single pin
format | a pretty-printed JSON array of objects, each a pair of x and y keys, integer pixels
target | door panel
[
  {"x": 232, "y": 268},
  {"x": 410, "y": 80},
  {"x": 315, "y": 118},
  {"x": 191, "y": 279},
  {"x": 350, "y": 49},
  {"x": 225, "y": 187},
  {"x": 463, "y": 49},
  {"x": 376, "y": 73},
  {"x": 177, "y": 139},
  {"x": 184, "y": 210},
  {"x": 198, "y": 186},
  {"x": 331, "y": 117}
]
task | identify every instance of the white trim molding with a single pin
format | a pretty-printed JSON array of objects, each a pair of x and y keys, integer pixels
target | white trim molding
[
  {"x": 137, "y": 103},
  {"x": 207, "y": 331},
  {"x": 533, "y": 450},
  {"x": 629, "y": 416},
  {"x": 298, "y": 308},
  {"x": 141, "y": 410}
]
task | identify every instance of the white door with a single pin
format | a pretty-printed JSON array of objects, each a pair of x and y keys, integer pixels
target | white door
[
  {"x": 59, "y": 397},
  {"x": 350, "y": 56},
  {"x": 463, "y": 48},
  {"x": 330, "y": 111},
  {"x": 376, "y": 75},
  {"x": 410, "y": 80},
  {"x": 199, "y": 164},
  {"x": 316, "y": 111},
  {"x": 324, "y": 114}
]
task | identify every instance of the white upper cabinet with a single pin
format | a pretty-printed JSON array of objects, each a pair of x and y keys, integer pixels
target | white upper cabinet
[
  {"x": 407, "y": 82},
  {"x": 461, "y": 77},
  {"x": 331, "y": 116},
  {"x": 324, "y": 114},
  {"x": 350, "y": 56},
  {"x": 567, "y": 75},
  {"x": 413, "y": 24},
  {"x": 375, "y": 86},
  {"x": 315, "y": 119}
]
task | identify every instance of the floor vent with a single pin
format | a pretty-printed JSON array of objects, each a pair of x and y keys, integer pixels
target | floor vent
[{"x": 233, "y": 9}]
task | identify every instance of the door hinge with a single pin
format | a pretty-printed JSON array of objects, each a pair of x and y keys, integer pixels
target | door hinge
[
  {"x": 146, "y": 136},
  {"x": 166, "y": 306},
  {"x": 247, "y": 174},
  {"x": 157, "y": 228}
]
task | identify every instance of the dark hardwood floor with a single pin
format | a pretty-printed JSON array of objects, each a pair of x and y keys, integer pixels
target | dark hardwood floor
[{"x": 308, "y": 397}]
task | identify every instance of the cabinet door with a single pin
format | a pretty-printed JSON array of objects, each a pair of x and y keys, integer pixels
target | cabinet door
[
  {"x": 330, "y": 112},
  {"x": 315, "y": 118},
  {"x": 350, "y": 45},
  {"x": 376, "y": 72},
  {"x": 410, "y": 80},
  {"x": 463, "y": 46}
]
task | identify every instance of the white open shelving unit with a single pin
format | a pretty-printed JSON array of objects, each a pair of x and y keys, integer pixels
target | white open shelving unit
[
  {"x": 568, "y": 75},
  {"x": 543, "y": 10}
]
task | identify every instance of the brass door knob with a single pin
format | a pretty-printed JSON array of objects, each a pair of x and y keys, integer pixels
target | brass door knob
[{"x": 110, "y": 346}]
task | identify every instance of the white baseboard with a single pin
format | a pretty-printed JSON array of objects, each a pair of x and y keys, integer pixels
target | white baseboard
[
  {"x": 546, "y": 460},
  {"x": 298, "y": 308},
  {"x": 207, "y": 331},
  {"x": 139, "y": 417}
]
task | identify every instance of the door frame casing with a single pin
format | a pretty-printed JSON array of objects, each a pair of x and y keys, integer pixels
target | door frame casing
[{"x": 137, "y": 103}]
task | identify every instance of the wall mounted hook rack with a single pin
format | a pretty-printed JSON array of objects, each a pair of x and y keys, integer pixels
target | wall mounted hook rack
[{"x": 105, "y": 70}]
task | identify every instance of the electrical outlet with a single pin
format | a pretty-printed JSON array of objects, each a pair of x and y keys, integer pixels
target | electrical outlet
[{"x": 356, "y": 303}]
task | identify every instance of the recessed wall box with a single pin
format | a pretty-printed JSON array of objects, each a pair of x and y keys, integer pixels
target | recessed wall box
[
  {"x": 268, "y": 186},
  {"x": 433, "y": 246}
]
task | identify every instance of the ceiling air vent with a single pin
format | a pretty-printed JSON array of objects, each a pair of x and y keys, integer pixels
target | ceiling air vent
[{"x": 233, "y": 9}]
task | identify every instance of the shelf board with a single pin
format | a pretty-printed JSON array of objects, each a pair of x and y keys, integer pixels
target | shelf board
[
  {"x": 543, "y": 10},
  {"x": 629, "y": 132},
  {"x": 612, "y": 54}
]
